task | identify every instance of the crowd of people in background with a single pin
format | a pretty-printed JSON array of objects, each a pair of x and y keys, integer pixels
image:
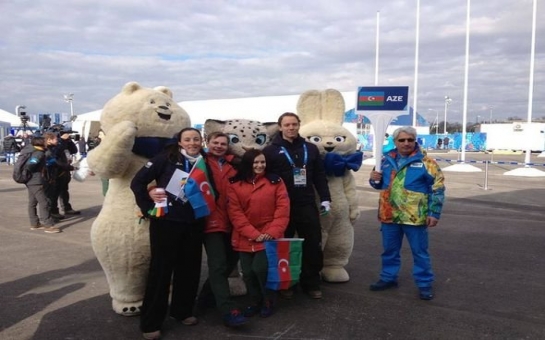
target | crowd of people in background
[{"x": 52, "y": 155}]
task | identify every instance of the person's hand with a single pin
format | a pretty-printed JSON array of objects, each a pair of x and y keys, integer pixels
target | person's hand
[
  {"x": 158, "y": 195},
  {"x": 325, "y": 207},
  {"x": 376, "y": 176},
  {"x": 431, "y": 221},
  {"x": 263, "y": 237}
]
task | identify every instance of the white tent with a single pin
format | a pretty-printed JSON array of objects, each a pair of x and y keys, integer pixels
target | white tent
[
  {"x": 264, "y": 109},
  {"x": 14, "y": 120}
]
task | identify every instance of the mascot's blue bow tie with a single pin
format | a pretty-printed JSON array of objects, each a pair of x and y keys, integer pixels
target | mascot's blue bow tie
[
  {"x": 336, "y": 165},
  {"x": 150, "y": 147}
]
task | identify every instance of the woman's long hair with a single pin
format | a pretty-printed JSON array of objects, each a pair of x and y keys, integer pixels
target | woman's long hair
[{"x": 246, "y": 167}]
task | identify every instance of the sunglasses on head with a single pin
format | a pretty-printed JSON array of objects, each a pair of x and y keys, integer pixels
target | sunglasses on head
[{"x": 403, "y": 140}]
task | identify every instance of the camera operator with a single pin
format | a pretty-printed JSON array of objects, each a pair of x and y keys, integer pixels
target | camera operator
[{"x": 59, "y": 166}]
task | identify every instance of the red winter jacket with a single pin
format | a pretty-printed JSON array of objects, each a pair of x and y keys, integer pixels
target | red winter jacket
[
  {"x": 257, "y": 208},
  {"x": 218, "y": 221}
]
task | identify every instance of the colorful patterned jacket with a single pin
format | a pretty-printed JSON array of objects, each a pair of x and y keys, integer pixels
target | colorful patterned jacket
[{"x": 412, "y": 190}]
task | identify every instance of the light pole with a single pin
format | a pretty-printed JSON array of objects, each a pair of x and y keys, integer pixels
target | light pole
[
  {"x": 490, "y": 108},
  {"x": 447, "y": 103},
  {"x": 436, "y": 121},
  {"x": 69, "y": 98}
]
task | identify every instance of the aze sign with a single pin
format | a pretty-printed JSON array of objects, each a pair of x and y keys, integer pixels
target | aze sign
[{"x": 382, "y": 98}]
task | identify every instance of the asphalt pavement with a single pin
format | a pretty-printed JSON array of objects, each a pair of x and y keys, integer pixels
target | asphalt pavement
[{"x": 488, "y": 255}]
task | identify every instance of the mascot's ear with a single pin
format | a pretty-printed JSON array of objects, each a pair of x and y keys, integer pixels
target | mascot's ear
[
  {"x": 213, "y": 125},
  {"x": 165, "y": 90},
  {"x": 271, "y": 127},
  {"x": 131, "y": 87},
  {"x": 309, "y": 106},
  {"x": 326, "y": 105},
  {"x": 333, "y": 106}
]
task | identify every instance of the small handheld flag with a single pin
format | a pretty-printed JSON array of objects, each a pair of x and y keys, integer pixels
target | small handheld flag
[
  {"x": 284, "y": 259},
  {"x": 199, "y": 191}
]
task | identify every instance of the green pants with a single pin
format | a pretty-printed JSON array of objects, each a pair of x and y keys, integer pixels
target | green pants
[
  {"x": 254, "y": 271},
  {"x": 222, "y": 259}
]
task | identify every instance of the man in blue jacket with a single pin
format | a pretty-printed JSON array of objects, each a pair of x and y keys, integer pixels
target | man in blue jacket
[{"x": 411, "y": 199}]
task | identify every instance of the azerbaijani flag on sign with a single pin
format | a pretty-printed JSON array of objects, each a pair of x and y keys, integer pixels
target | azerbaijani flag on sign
[
  {"x": 198, "y": 190},
  {"x": 284, "y": 259},
  {"x": 374, "y": 98}
]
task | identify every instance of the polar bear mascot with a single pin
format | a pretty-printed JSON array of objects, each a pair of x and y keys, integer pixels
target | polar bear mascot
[
  {"x": 137, "y": 124},
  {"x": 322, "y": 114}
]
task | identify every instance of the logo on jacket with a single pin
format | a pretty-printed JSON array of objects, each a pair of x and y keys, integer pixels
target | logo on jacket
[
  {"x": 417, "y": 165},
  {"x": 148, "y": 164}
]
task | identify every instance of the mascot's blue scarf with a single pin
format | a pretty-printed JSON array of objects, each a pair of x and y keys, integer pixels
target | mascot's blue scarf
[
  {"x": 336, "y": 165},
  {"x": 150, "y": 147}
]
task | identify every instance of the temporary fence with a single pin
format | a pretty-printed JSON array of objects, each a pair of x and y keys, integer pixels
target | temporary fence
[{"x": 486, "y": 163}]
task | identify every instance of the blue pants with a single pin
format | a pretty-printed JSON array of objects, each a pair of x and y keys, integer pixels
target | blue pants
[
  {"x": 392, "y": 238},
  {"x": 10, "y": 158}
]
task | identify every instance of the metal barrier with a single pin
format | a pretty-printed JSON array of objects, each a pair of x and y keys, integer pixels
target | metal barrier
[{"x": 486, "y": 163}]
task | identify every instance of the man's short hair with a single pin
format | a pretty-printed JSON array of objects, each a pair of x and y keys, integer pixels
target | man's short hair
[
  {"x": 287, "y": 114},
  {"x": 215, "y": 135},
  {"x": 407, "y": 129}
]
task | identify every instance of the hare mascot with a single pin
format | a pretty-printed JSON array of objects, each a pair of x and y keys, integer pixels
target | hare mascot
[{"x": 322, "y": 115}]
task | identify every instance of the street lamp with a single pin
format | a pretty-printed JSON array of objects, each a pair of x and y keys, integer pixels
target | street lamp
[
  {"x": 69, "y": 98},
  {"x": 447, "y": 103},
  {"x": 490, "y": 108},
  {"x": 436, "y": 121}
]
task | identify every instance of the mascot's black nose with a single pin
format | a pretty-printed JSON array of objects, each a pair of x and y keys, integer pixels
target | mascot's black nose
[{"x": 162, "y": 107}]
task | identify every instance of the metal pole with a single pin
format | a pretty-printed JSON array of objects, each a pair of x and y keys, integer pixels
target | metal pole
[{"x": 486, "y": 175}]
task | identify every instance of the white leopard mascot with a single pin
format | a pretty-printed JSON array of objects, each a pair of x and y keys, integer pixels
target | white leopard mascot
[{"x": 322, "y": 114}]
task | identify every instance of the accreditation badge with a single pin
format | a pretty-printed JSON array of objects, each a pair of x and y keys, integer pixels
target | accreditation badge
[{"x": 300, "y": 177}]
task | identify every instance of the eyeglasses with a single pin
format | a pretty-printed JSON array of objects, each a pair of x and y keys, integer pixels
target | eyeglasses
[{"x": 403, "y": 140}]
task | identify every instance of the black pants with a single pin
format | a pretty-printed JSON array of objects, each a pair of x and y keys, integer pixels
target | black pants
[
  {"x": 176, "y": 254},
  {"x": 37, "y": 200},
  {"x": 305, "y": 220}
]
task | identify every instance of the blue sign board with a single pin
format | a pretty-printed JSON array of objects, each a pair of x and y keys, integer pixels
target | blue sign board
[{"x": 382, "y": 98}]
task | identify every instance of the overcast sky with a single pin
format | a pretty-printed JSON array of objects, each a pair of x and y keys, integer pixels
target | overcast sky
[{"x": 213, "y": 49}]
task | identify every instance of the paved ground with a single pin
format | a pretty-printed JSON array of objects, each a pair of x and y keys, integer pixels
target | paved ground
[{"x": 488, "y": 255}]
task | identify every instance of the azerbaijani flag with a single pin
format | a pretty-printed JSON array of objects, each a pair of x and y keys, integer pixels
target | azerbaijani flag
[
  {"x": 198, "y": 190},
  {"x": 373, "y": 98},
  {"x": 284, "y": 259}
]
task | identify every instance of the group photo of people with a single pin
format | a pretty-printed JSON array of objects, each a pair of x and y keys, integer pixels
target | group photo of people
[{"x": 278, "y": 192}]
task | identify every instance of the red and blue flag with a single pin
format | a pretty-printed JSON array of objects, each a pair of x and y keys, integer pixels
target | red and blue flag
[
  {"x": 284, "y": 258},
  {"x": 199, "y": 191}
]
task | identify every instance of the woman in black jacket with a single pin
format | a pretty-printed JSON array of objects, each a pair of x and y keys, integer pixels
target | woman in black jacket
[{"x": 175, "y": 238}]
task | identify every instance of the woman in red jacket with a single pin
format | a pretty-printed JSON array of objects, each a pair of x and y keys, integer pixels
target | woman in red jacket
[{"x": 259, "y": 210}]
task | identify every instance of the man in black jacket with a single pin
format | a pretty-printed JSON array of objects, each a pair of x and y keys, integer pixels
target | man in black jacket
[
  {"x": 59, "y": 167},
  {"x": 37, "y": 198},
  {"x": 300, "y": 166},
  {"x": 10, "y": 149}
]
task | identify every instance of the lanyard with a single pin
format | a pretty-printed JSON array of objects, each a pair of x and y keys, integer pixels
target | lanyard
[
  {"x": 305, "y": 157},
  {"x": 187, "y": 167}
]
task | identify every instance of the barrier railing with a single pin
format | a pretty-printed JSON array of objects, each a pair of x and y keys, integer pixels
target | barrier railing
[{"x": 486, "y": 164}]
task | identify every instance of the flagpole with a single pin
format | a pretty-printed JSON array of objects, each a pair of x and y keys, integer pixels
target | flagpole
[
  {"x": 415, "y": 92},
  {"x": 466, "y": 76},
  {"x": 531, "y": 85},
  {"x": 377, "y": 45},
  {"x": 463, "y": 166}
]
